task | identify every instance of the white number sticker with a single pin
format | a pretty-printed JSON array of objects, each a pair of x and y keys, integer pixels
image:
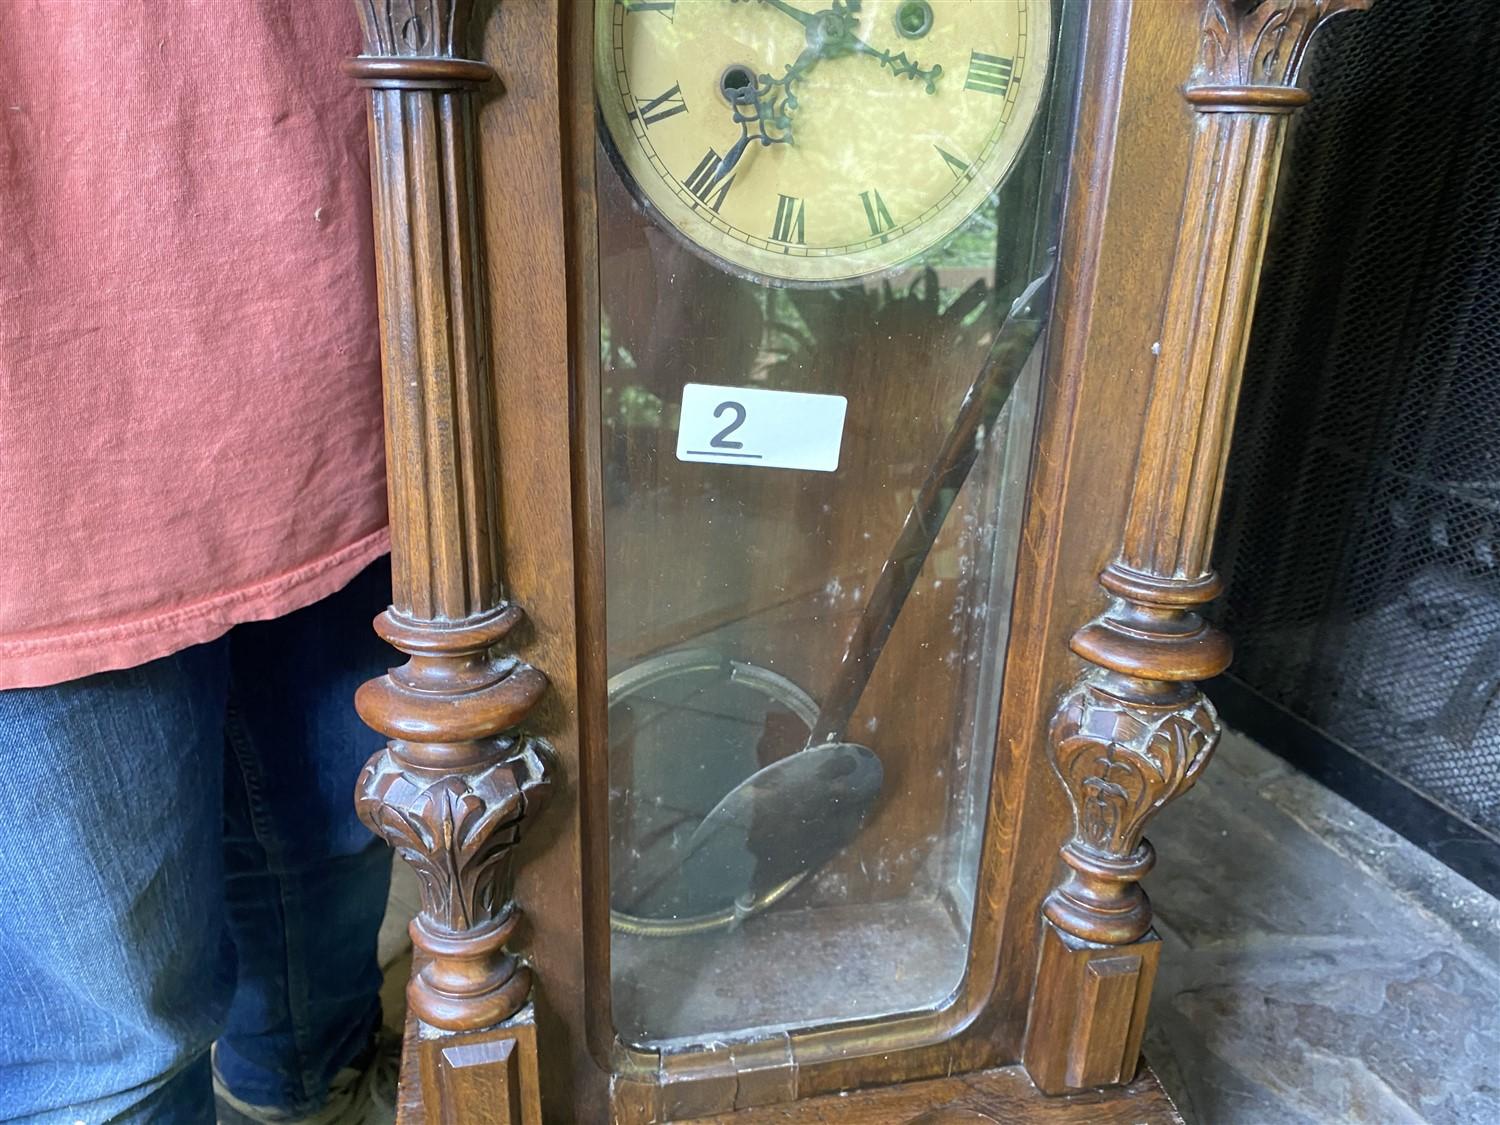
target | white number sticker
[{"x": 763, "y": 429}]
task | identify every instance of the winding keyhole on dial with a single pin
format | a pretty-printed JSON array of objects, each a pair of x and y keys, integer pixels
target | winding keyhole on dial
[
  {"x": 734, "y": 79},
  {"x": 914, "y": 19}
]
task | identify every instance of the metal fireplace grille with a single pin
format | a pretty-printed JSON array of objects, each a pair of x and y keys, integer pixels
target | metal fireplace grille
[{"x": 1361, "y": 530}]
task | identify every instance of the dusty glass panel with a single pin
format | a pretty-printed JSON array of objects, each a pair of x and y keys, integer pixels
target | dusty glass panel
[{"x": 826, "y": 240}]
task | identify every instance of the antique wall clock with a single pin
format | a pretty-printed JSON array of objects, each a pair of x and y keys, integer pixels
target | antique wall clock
[{"x": 841, "y": 387}]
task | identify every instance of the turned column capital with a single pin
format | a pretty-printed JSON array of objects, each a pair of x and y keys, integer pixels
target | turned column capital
[
  {"x": 416, "y": 45},
  {"x": 415, "y": 29},
  {"x": 1251, "y": 52}
]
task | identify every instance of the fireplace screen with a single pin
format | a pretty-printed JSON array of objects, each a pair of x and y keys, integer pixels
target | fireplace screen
[{"x": 1361, "y": 528}]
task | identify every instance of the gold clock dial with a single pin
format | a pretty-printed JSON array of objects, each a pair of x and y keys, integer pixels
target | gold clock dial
[{"x": 819, "y": 140}]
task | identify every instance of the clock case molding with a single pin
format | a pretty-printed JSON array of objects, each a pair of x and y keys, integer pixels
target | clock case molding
[{"x": 494, "y": 784}]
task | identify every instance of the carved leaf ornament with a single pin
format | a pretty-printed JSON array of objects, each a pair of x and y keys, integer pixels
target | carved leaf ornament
[
  {"x": 1120, "y": 762},
  {"x": 1267, "y": 46},
  {"x": 412, "y": 28},
  {"x": 455, "y": 831}
]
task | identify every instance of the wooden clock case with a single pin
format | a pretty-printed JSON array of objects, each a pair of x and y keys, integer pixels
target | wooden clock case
[{"x": 483, "y": 138}]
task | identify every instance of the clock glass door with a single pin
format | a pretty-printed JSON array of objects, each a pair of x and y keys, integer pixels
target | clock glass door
[{"x": 826, "y": 241}]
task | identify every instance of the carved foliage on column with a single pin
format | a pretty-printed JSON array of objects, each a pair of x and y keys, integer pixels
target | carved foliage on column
[
  {"x": 457, "y": 831},
  {"x": 453, "y": 792},
  {"x": 1122, "y": 761},
  {"x": 1266, "y": 46},
  {"x": 1121, "y": 755},
  {"x": 413, "y": 28}
]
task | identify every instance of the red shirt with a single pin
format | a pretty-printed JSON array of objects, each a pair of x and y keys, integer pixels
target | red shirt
[{"x": 190, "y": 418}]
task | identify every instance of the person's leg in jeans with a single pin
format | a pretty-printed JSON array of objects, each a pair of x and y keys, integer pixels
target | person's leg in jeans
[
  {"x": 307, "y": 881},
  {"x": 117, "y": 966},
  {"x": 115, "y": 970}
]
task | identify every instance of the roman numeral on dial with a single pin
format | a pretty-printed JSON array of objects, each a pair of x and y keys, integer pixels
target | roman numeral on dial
[
  {"x": 989, "y": 74},
  {"x": 789, "y": 226},
  {"x": 960, "y": 168},
  {"x": 876, "y": 213},
  {"x": 660, "y": 107},
  {"x": 701, "y": 183}
]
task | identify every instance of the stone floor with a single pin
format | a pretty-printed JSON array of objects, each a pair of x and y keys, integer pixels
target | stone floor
[{"x": 1317, "y": 968}]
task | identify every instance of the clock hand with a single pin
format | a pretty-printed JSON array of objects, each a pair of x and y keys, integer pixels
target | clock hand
[
  {"x": 807, "y": 19},
  {"x": 832, "y": 34},
  {"x": 749, "y": 108},
  {"x": 901, "y": 66},
  {"x": 732, "y": 157}
]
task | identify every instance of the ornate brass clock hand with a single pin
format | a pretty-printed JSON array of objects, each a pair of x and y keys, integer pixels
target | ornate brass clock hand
[
  {"x": 901, "y": 66},
  {"x": 832, "y": 34},
  {"x": 749, "y": 108},
  {"x": 772, "y": 110},
  {"x": 736, "y": 101}
]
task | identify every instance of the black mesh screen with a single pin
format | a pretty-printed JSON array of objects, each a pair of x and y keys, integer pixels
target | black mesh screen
[{"x": 1361, "y": 522}]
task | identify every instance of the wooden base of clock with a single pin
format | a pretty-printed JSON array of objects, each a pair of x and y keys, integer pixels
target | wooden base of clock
[
  {"x": 1004, "y": 1094},
  {"x": 444, "y": 1079}
]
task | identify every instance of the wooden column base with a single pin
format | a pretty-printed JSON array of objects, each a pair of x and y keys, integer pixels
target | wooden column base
[
  {"x": 489, "y": 1077},
  {"x": 1088, "y": 1012}
]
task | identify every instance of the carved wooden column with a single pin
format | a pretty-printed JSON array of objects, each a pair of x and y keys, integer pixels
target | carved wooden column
[
  {"x": 1135, "y": 732},
  {"x": 458, "y": 782}
]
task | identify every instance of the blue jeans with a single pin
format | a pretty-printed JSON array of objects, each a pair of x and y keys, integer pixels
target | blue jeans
[{"x": 180, "y": 863}]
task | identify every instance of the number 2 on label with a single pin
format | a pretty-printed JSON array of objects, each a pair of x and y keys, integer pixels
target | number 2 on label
[{"x": 720, "y": 439}]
